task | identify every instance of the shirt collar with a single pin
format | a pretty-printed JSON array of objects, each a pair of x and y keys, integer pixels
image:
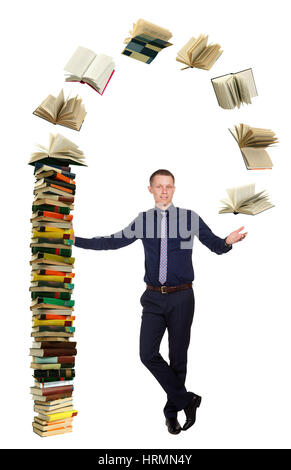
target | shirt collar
[{"x": 171, "y": 209}]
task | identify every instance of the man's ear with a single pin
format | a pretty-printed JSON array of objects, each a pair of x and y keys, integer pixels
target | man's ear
[{"x": 150, "y": 189}]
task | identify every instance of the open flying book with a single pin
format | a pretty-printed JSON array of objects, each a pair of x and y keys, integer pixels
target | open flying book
[
  {"x": 69, "y": 112},
  {"x": 87, "y": 67},
  {"x": 252, "y": 142},
  {"x": 60, "y": 149},
  {"x": 197, "y": 54},
  {"x": 243, "y": 199},
  {"x": 146, "y": 41},
  {"x": 234, "y": 89}
]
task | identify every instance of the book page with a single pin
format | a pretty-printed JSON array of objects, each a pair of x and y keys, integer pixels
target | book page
[
  {"x": 208, "y": 57},
  {"x": 197, "y": 48},
  {"x": 247, "y": 76},
  {"x": 48, "y": 106},
  {"x": 59, "y": 101},
  {"x": 182, "y": 53},
  {"x": 243, "y": 89},
  {"x": 261, "y": 137},
  {"x": 257, "y": 157},
  {"x": 143, "y": 26},
  {"x": 222, "y": 93},
  {"x": 240, "y": 193},
  {"x": 100, "y": 67},
  {"x": 234, "y": 91},
  {"x": 228, "y": 207},
  {"x": 68, "y": 107},
  {"x": 80, "y": 61},
  {"x": 59, "y": 144}
]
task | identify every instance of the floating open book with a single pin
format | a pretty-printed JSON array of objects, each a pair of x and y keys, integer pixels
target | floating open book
[
  {"x": 146, "y": 41},
  {"x": 252, "y": 142},
  {"x": 60, "y": 150},
  {"x": 69, "y": 112},
  {"x": 87, "y": 67},
  {"x": 243, "y": 199},
  {"x": 235, "y": 89},
  {"x": 197, "y": 54}
]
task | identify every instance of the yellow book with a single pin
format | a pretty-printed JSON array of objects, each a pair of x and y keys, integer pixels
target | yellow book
[
  {"x": 52, "y": 257},
  {"x": 53, "y": 322},
  {"x": 54, "y": 232},
  {"x": 35, "y": 365},
  {"x": 39, "y": 277},
  {"x": 55, "y": 416}
]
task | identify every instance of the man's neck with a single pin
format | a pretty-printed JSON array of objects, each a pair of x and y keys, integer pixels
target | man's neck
[{"x": 163, "y": 207}]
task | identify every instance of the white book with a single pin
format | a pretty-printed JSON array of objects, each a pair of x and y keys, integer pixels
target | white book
[
  {"x": 88, "y": 67},
  {"x": 244, "y": 200}
]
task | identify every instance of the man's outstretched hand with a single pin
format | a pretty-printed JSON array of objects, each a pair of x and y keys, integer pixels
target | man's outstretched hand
[{"x": 235, "y": 236}]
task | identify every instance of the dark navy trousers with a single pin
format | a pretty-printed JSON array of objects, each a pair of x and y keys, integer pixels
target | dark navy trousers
[{"x": 173, "y": 312}]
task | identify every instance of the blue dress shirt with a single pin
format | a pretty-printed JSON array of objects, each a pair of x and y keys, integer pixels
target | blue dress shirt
[{"x": 183, "y": 225}]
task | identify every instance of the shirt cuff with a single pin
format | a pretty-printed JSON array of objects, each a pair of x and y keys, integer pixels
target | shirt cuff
[{"x": 227, "y": 246}]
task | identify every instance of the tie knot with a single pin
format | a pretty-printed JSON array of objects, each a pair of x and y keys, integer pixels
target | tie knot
[{"x": 163, "y": 213}]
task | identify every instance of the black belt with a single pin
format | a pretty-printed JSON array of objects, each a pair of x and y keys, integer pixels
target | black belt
[{"x": 169, "y": 289}]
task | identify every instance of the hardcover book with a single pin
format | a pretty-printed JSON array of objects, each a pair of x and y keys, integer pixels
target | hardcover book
[
  {"x": 52, "y": 352},
  {"x": 234, "y": 89},
  {"x": 87, "y": 67}
]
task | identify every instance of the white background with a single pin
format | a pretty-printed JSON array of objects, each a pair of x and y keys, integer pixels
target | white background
[{"x": 152, "y": 116}]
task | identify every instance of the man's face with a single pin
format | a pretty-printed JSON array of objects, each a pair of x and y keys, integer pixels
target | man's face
[{"x": 162, "y": 188}]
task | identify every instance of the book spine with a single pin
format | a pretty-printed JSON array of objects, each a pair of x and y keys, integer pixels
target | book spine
[
  {"x": 56, "y": 295},
  {"x": 52, "y": 241},
  {"x": 65, "y": 179},
  {"x": 55, "y": 251},
  {"x": 62, "y": 285},
  {"x": 50, "y": 208},
  {"x": 52, "y": 257},
  {"x": 61, "y": 383},
  {"x": 63, "y": 168}
]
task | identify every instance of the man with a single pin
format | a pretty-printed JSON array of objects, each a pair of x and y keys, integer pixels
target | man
[{"x": 168, "y": 302}]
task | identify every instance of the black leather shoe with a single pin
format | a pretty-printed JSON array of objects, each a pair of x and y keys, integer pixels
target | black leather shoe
[
  {"x": 190, "y": 412},
  {"x": 173, "y": 425}
]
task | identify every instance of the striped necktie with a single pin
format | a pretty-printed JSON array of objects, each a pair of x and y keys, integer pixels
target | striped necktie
[{"x": 163, "y": 255}]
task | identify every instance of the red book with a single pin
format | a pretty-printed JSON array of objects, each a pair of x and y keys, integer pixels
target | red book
[
  {"x": 56, "y": 390},
  {"x": 61, "y": 177},
  {"x": 81, "y": 81},
  {"x": 51, "y": 272},
  {"x": 66, "y": 360},
  {"x": 56, "y": 215},
  {"x": 62, "y": 188},
  {"x": 66, "y": 352},
  {"x": 57, "y": 396},
  {"x": 57, "y": 345}
]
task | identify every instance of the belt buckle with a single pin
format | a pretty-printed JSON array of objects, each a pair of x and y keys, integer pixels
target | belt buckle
[{"x": 164, "y": 289}]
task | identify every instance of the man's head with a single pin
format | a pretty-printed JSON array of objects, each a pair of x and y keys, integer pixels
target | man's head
[{"x": 162, "y": 187}]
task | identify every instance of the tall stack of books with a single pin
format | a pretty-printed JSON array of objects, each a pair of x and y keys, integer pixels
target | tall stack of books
[{"x": 53, "y": 353}]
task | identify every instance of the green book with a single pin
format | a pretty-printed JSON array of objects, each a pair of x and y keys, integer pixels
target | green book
[
  {"x": 61, "y": 295},
  {"x": 50, "y": 208},
  {"x": 60, "y": 251},
  {"x": 48, "y": 300}
]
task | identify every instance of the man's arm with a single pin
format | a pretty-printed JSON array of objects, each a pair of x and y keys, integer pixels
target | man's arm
[
  {"x": 213, "y": 242},
  {"x": 111, "y": 242}
]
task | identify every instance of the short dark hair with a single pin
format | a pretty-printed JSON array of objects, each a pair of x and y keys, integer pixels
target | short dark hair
[{"x": 161, "y": 172}]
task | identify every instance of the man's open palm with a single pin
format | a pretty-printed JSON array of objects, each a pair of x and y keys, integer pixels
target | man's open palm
[{"x": 236, "y": 236}]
